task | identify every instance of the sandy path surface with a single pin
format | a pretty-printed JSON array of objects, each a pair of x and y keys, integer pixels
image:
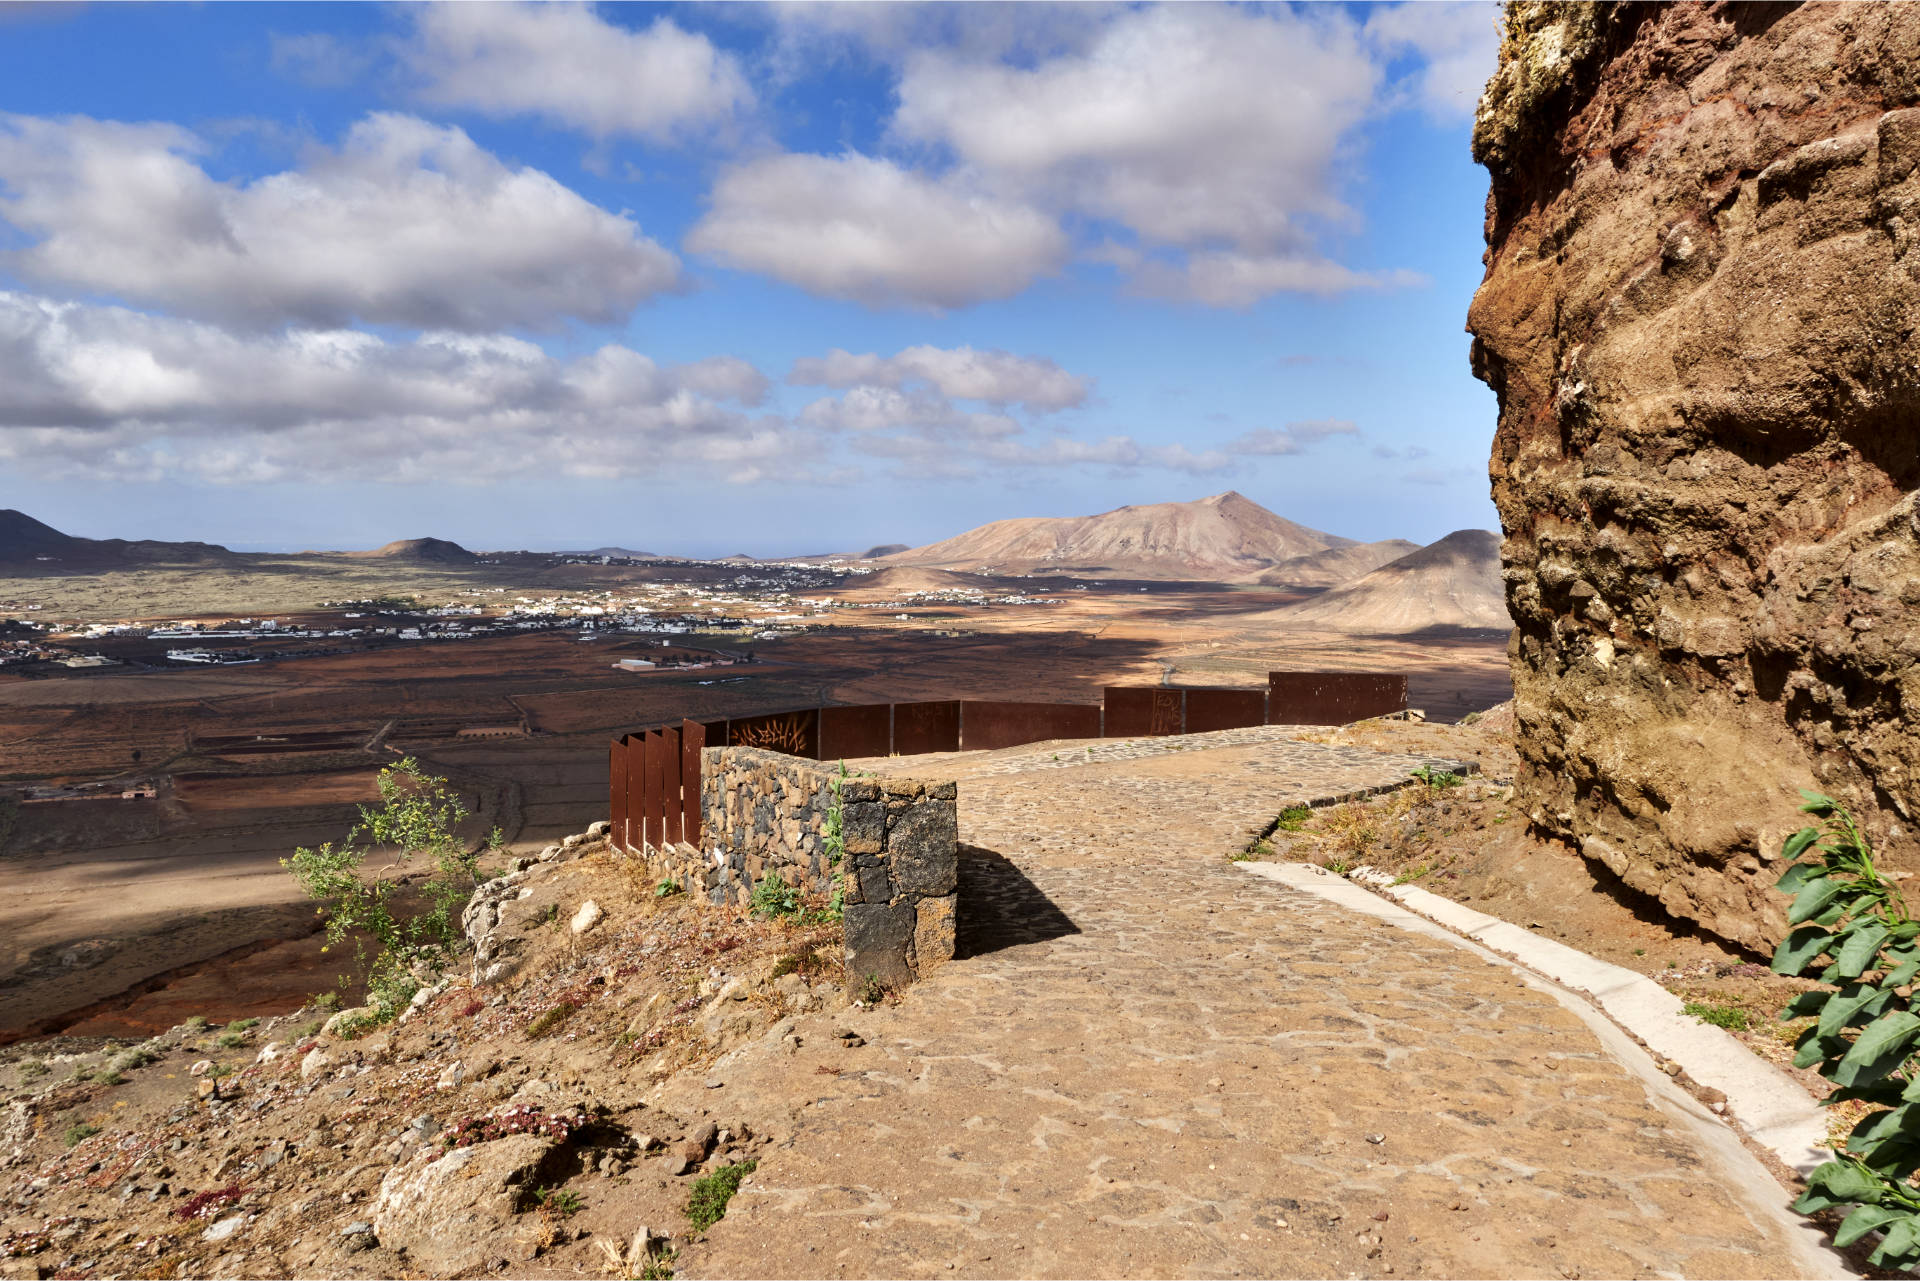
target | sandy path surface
[{"x": 1145, "y": 1063}]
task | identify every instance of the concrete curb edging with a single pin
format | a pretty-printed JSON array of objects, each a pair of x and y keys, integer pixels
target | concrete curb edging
[{"x": 1773, "y": 1110}]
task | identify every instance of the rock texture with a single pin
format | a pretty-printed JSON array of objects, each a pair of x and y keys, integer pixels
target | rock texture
[{"x": 1699, "y": 315}]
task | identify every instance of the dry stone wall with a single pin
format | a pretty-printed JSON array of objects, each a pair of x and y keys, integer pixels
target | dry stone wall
[
  {"x": 1699, "y": 315},
  {"x": 766, "y": 813}
]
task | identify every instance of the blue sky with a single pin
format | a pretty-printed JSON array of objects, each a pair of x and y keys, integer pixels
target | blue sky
[{"x": 721, "y": 278}]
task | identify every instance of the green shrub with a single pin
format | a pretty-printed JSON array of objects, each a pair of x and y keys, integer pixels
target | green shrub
[
  {"x": 558, "y": 1201},
  {"x": 773, "y": 897},
  {"x": 667, "y": 888},
  {"x": 1730, "y": 1017},
  {"x": 1294, "y": 818},
  {"x": 1438, "y": 780},
  {"x": 33, "y": 1069},
  {"x": 1853, "y": 927},
  {"x": 195, "y": 1023},
  {"x": 707, "y": 1199},
  {"x": 327, "y": 1002},
  {"x": 229, "y": 1040},
  {"x": 418, "y": 814},
  {"x": 77, "y": 1133},
  {"x": 243, "y": 1025}
]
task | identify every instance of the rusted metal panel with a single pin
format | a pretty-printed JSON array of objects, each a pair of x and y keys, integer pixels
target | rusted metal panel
[
  {"x": 636, "y": 791},
  {"x": 670, "y": 752},
  {"x": 657, "y": 787},
  {"x": 617, "y": 793},
  {"x": 693, "y": 737},
  {"x": 989, "y": 725},
  {"x": 795, "y": 733},
  {"x": 1332, "y": 698},
  {"x": 1142, "y": 711},
  {"x": 1211, "y": 709},
  {"x": 856, "y": 731},
  {"x": 926, "y": 727}
]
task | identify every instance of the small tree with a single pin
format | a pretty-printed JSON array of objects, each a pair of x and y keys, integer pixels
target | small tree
[{"x": 418, "y": 814}]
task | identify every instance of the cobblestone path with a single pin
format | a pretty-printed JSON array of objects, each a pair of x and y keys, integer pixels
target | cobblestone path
[{"x": 1146, "y": 1063}]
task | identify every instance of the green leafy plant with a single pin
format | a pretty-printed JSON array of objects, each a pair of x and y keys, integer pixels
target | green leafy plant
[
  {"x": 1293, "y": 818},
  {"x": 773, "y": 897},
  {"x": 873, "y": 991},
  {"x": 327, "y": 1002},
  {"x": 107, "y": 1076},
  {"x": 1438, "y": 780},
  {"x": 659, "y": 1267},
  {"x": 667, "y": 888},
  {"x": 77, "y": 1133},
  {"x": 418, "y": 814},
  {"x": 230, "y": 1040},
  {"x": 1413, "y": 873},
  {"x": 1730, "y": 1017},
  {"x": 707, "y": 1198},
  {"x": 31, "y": 1069},
  {"x": 1853, "y": 932},
  {"x": 243, "y": 1025},
  {"x": 195, "y": 1023},
  {"x": 558, "y": 1201}
]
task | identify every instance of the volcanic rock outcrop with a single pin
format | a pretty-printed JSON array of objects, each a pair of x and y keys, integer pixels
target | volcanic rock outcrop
[{"x": 1699, "y": 316}]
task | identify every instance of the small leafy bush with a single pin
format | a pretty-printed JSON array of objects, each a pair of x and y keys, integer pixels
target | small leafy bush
[
  {"x": 418, "y": 814},
  {"x": 707, "y": 1199},
  {"x": 557, "y": 1201},
  {"x": 195, "y": 1023},
  {"x": 1854, "y": 932},
  {"x": 328, "y": 1002},
  {"x": 667, "y": 888},
  {"x": 1294, "y": 818},
  {"x": 79, "y": 1132},
  {"x": 1437, "y": 779},
  {"x": 773, "y": 897},
  {"x": 1730, "y": 1017},
  {"x": 32, "y": 1069},
  {"x": 230, "y": 1040},
  {"x": 243, "y": 1025}
]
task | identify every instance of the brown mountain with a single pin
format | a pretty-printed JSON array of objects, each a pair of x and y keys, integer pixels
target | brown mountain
[
  {"x": 35, "y": 547},
  {"x": 1452, "y": 583},
  {"x": 1336, "y": 564},
  {"x": 1225, "y": 538},
  {"x": 425, "y": 551}
]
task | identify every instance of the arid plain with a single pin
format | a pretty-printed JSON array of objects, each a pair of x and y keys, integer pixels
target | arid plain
[{"x": 123, "y": 915}]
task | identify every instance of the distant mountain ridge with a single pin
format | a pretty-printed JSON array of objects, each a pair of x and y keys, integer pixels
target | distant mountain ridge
[
  {"x": 1454, "y": 582},
  {"x": 1226, "y": 538},
  {"x": 29, "y": 544}
]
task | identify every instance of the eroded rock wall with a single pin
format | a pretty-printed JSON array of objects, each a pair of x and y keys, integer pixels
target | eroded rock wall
[{"x": 1699, "y": 316}]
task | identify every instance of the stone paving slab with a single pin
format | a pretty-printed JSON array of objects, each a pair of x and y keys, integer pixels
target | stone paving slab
[{"x": 1147, "y": 1064}]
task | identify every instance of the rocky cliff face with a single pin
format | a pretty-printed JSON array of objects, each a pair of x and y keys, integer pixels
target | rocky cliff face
[{"x": 1699, "y": 315}]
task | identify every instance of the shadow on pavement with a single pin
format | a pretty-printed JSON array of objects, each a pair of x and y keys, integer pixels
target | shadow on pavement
[{"x": 999, "y": 907}]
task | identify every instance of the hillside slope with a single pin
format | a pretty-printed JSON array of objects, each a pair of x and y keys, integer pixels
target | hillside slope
[
  {"x": 1454, "y": 582},
  {"x": 37, "y": 547},
  {"x": 1336, "y": 564},
  {"x": 425, "y": 551},
  {"x": 1227, "y": 537}
]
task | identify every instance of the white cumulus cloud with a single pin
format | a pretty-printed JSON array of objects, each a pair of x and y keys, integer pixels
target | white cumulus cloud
[
  {"x": 865, "y": 229},
  {"x": 405, "y": 223},
  {"x": 106, "y": 391},
  {"x": 567, "y": 64},
  {"x": 964, "y": 373}
]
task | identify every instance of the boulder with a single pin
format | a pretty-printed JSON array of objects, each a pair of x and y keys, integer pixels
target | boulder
[
  {"x": 587, "y": 917},
  {"x": 451, "y": 1212}
]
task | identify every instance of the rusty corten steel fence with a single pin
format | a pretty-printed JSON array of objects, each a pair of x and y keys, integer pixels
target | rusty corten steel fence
[{"x": 654, "y": 774}]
